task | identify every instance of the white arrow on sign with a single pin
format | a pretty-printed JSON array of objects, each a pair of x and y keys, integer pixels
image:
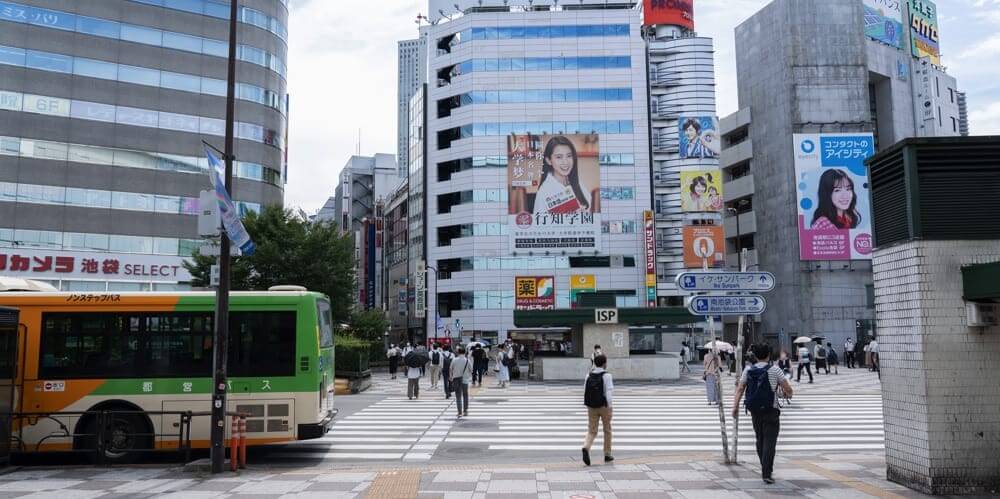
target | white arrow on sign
[
  {"x": 727, "y": 305},
  {"x": 725, "y": 281}
]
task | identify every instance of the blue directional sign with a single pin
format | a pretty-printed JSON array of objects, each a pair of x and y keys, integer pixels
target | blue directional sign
[
  {"x": 725, "y": 281},
  {"x": 727, "y": 305}
]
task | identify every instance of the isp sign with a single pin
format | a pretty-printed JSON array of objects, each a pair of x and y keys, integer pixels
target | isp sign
[{"x": 606, "y": 316}]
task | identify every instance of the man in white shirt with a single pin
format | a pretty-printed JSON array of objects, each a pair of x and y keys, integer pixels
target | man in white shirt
[
  {"x": 460, "y": 377},
  {"x": 804, "y": 363},
  {"x": 598, "y": 397},
  {"x": 873, "y": 350},
  {"x": 763, "y": 380},
  {"x": 849, "y": 353}
]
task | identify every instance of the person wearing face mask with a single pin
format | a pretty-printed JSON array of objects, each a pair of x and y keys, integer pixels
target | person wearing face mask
[
  {"x": 562, "y": 190},
  {"x": 837, "y": 202}
]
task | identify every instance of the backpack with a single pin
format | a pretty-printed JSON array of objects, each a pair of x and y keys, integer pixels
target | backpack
[
  {"x": 447, "y": 361},
  {"x": 593, "y": 393},
  {"x": 436, "y": 358},
  {"x": 505, "y": 360},
  {"x": 821, "y": 352},
  {"x": 760, "y": 395}
]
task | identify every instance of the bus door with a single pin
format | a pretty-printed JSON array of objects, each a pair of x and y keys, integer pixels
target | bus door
[{"x": 8, "y": 376}]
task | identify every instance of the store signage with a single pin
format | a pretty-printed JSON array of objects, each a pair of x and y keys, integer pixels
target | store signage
[
  {"x": 606, "y": 316},
  {"x": 650, "y": 246},
  {"x": 534, "y": 293},
  {"x": 420, "y": 287},
  {"x": 44, "y": 264}
]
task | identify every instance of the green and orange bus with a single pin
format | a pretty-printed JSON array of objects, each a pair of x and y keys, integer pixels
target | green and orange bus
[{"x": 148, "y": 356}]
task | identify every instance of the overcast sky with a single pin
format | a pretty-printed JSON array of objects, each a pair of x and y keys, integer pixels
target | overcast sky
[{"x": 342, "y": 75}]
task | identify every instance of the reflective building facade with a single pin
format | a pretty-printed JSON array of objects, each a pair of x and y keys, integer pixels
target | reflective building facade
[{"x": 103, "y": 110}]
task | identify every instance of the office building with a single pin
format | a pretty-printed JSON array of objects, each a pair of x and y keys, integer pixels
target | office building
[
  {"x": 682, "y": 103},
  {"x": 395, "y": 262},
  {"x": 103, "y": 109},
  {"x": 502, "y": 81},
  {"x": 411, "y": 74},
  {"x": 848, "y": 93},
  {"x": 963, "y": 114}
]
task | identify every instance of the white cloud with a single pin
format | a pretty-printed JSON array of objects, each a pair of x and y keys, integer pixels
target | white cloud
[
  {"x": 985, "y": 120},
  {"x": 982, "y": 50}
]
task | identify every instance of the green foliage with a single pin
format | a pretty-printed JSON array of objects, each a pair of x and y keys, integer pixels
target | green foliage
[
  {"x": 290, "y": 251},
  {"x": 369, "y": 325},
  {"x": 351, "y": 355}
]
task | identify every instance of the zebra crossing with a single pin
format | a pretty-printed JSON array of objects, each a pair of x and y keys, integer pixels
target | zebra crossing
[{"x": 518, "y": 425}]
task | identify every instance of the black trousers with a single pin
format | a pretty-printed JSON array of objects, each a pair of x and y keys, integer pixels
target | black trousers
[
  {"x": 766, "y": 425},
  {"x": 849, "y": 358},
  {"x": 446, "y": 378},
  {"x": 808, "y": 369}
]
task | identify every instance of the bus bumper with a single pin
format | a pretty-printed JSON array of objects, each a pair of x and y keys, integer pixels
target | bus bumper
[{"x": 309, "y": 431}]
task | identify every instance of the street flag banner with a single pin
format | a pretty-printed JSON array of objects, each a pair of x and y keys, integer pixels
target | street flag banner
[{"x": 227, "y": 210}]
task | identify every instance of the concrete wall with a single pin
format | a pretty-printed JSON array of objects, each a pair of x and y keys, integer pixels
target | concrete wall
[
  {"x": 636, "y": 367},
  {"x": 939, "y": 378}
]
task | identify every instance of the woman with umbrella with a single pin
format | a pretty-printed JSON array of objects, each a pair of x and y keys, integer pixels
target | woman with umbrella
[{"x": 414, "y": 361}]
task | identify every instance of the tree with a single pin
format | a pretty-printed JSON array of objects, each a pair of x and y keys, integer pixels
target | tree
[
  {"x": 290, "y": 251},
  {"x": 369, "y": 325}
]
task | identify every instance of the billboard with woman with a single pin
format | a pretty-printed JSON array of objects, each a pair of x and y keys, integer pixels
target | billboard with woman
[
  {"x": 555, "y": 193},
  {"x": 834, "y": 210},
  {"x": 701, "y": 190}
]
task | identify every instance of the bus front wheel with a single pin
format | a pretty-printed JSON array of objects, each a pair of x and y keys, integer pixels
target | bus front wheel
[{"x": 124, "y": 436}]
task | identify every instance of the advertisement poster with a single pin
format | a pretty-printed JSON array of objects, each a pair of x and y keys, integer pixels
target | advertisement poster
[
  {"x": 668, "y": 12},
  {"x": 701, "y": 190},
  {"x": 699, "y": 137},
  {"x": 704, "y": 243},
  {"x": 33, "y": 263},
  {"x": 924, "y": 30},
  {"x": 534, "y": 293},
  {"x": 834, "y": 209},
  {"x": 884, "y": 21},
  {"x": 554, "y": 193},
  {"x": 582, "y": 283},
  {"x": 649, "y": 233}
]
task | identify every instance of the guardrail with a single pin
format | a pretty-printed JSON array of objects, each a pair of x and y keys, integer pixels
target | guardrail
[{"x": 112, "y": 436}]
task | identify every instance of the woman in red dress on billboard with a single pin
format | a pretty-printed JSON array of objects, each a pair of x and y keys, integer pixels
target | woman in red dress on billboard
[{"x": 837, "y": 202}]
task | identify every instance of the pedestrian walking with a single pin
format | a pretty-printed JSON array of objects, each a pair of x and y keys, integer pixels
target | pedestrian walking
[
  {"x": 762, "y": 382},
  {"x": 711, "y": 377},
  {"x": 832, "y": 359},
  {"x": 849, "y": 353},
  {"x": 820, "y": 353},
  {"x": 479, "y": 364},
  {"x": 876, "y": 361},
  {"x": 868, "y": 355},
  {"x": 593, "y": 354},
  {"x": 804, "y": 364},
  {"x": 435, "y": 364},
  {"x": 393, "y": 355},
  {"x": 446, "y": 358},
  {"x": 461, "y": 376},
  {"x": 685, "y": 355},
  {"x": 412, "y": 382},
  {"x": 598, "y": 397},
  {"x": 407, "y": 349},
  {"x": 503, "y": 367},
  {"x": 785, "y": 364}
]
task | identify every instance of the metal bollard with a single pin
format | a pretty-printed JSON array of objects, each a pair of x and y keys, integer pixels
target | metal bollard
[
  {"x": 234, "y": 443},
  {"x": 243, "y": 442}
]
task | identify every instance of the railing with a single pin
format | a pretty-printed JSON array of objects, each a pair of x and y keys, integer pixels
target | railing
[{"x": 103, "y": 435}]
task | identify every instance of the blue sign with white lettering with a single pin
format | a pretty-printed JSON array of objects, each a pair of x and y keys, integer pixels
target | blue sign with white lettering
[
  {"x": 725, "y": 281},
  {"x": 727, "y": 305}
]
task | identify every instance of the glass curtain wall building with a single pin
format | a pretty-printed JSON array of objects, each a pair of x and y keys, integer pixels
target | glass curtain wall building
[
  {"x": 496, "y": 72},
  {"x": 103, "y": 109}
]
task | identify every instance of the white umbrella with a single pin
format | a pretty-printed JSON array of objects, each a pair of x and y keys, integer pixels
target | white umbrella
[
  {"x": 720, "y": 345},
  {"x": 18, "y": 284},
  {"x": 802, "y": 339}
]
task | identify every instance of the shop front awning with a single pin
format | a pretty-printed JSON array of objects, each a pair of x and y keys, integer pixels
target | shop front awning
[{"x": 658, "y": 316}]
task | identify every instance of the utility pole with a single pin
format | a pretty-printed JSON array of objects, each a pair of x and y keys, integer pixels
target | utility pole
[{"x": 220, "y": 345}]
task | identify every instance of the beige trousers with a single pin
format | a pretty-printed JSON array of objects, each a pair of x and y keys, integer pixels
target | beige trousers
[{"x": 593, "y": 415}]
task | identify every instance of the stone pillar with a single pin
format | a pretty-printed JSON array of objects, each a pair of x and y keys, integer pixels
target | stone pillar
[
  {"x": 940, "y": 378},
  {"x": 613, "y": 339}
]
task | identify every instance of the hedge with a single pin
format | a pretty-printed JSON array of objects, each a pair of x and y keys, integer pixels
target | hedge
[{"x": 351, "y": 355}]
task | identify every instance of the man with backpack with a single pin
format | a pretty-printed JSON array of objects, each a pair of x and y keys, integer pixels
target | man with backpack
[
  {"x": 761, "y": 383},
  {"x": 597, "y": 396},
  {"x": 820, "y": 352},
  {"x": 435, "y": 364},
  {"x": 479, "y": 364}
]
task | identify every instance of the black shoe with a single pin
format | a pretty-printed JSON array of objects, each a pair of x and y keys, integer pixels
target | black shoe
[
  {"x": 586, "y": 457},
  {"x": 608, "y": 459},
  {"x": 768, "y": 480}
]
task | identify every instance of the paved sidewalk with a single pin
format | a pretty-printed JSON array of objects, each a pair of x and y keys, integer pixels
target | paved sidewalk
[{"x": 694, "y": 476}]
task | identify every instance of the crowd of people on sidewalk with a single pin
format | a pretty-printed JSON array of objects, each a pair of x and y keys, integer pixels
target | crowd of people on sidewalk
[{"x": 446, "y": 367}]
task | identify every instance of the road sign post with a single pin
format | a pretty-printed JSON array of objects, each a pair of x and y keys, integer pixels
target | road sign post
[{"x": 695, "y": 282}]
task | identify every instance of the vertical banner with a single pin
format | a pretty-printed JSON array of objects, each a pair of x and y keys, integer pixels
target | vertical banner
[
  {"x": 370, "y": 266},
  {"x": 704, "y": 243},
  {"x": 924, "y": 30},
  {"x": 650, "y": 247},
  {"x": 884, "y": 21},
  {"x": 834, "y": 209},
  {"x": 420, "y": 289},
  {"x": 582, "y": 283},
  {"x": 698, "y": 137},
  {"x": 554, "y": 184},
  {"x": 534, "y": 293},
  {"x": 227, "y": 210},
  {"x": 701, "y": 191}
]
